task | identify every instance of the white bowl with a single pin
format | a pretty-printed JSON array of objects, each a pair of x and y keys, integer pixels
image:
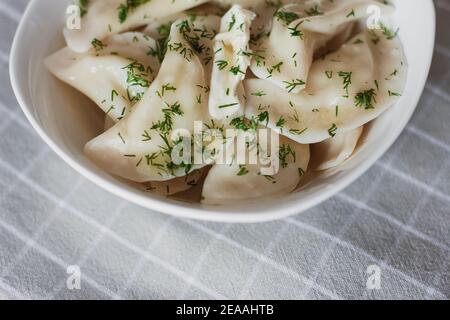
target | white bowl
[{"x": 58, "y": 115}]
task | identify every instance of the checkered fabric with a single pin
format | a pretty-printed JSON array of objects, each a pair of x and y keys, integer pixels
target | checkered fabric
[{"x": 396, "y": 217}]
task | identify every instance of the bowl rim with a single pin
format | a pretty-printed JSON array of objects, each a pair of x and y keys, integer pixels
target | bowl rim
[{"x": 219, "y": 215}]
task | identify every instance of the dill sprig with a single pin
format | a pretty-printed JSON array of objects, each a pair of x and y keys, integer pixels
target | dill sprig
[
  {"x": 242, "y": 170},
  {"x": 241, "y": 123},
  {"x": 137, "y": 76},
  {"x": 98, "y": 45},
  {"x": 388, "y": 33},
  {"x": 165, "y": 126},
  {"x": 222, "y": 64},
  {"x": 284, "y": 153},
  {"x": 347, "y": 79},
  {"x": 332, "y": 130},
  {"x": 314, "y": 11},
  {"x": 232, "y": 22},
  {"x": 286, "y": 16},
  {"x": 161, "y": 44},
  {"x": 291, "y": 85},
  {"x": 83, "y": 5},
  {"x": 296, "y": 32},
  {"x": 126, "y": 7},
  {"x": 365, "y": 99}
]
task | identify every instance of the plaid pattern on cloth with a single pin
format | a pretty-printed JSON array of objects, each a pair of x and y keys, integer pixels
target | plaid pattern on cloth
[{"x": 396, "y": 217}]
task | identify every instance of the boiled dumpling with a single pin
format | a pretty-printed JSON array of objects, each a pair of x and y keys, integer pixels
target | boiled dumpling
[
  {"x": 139, "y": 147},
  {"x": 345, "y": 90},
  {"x": 204, "y": 29},
  {"x": 285, "y": 54},
  {"x": 115, "y": 73},
  {"x": 102, "y": 19},
  {"x": 232, "y": 57},
  {"x": 332, "y": 152},
  {"x": 234, "y": 182}
]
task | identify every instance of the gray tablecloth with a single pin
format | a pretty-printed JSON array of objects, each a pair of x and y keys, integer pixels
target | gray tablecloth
[{"x": 386, "y": 236}]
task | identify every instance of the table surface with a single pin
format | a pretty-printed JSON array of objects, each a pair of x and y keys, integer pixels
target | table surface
[{"x": 394, "y": 222}]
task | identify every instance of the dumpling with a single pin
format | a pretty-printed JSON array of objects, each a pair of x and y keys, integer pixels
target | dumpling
[
  {"x": 345, "y": 90},
  {"x": 332, "y": 152},
  {"x": 284, "y": 55},
  {"x": 232, "y": 57},
  {"x": 234, "y": 183},
  {"x": 141, "y": 146},
  {"x": 102, "y": 19},
  {"x": 204, "y": 29},
  {"x": 115, "y": 73}
]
